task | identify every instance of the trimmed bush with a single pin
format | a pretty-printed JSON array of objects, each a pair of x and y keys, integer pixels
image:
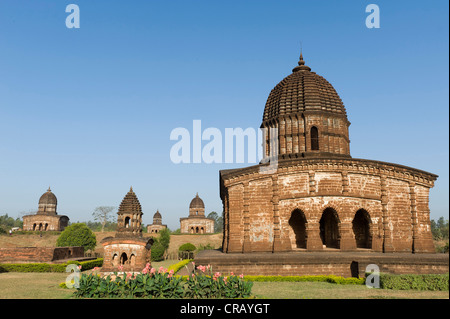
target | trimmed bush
[
  {"x": 320, "y": 278},
  {"x": 44, "y": 267},
  {"x": 179, "y": 265},
  {"x": 416, "y": 282},
  {"x": 187, "y": 247}
]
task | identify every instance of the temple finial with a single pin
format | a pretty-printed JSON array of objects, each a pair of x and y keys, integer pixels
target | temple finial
[
  {"x": 131, "y": 188},
  {"x": 301, "y": 63},
  {"x": 49, "y": 190}
]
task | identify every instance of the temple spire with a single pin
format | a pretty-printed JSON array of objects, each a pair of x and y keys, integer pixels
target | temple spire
[{"x": 301, "y": 64}]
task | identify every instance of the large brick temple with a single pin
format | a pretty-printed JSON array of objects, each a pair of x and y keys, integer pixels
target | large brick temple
[{"x": 319, "y": 197}]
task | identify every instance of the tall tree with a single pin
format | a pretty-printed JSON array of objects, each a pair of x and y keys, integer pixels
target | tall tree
[
  {"x": 103, "y": 215},
  {"x": 218, "y": 221}
]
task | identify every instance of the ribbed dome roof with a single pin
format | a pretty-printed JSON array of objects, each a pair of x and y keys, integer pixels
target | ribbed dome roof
[
  {"x": 157, "y": 215},
  {"x": 301, "y": 91},
  {"x": 130, "y": 203},
  {"x": 197, "y": 202},
  {"x": 48, "y": 198}
]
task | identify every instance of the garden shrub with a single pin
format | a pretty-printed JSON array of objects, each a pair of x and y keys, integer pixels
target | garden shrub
[
  {"x": 44, "y": 267},
  {"x": 176, "y": 267},
  {"x": 435, "y": 282},
  {"x": 157, "y": 252},
  {"x": 318, "y": 278},
  {"x": 77, "y": 234},
  {"x": 187, "y": 247}
]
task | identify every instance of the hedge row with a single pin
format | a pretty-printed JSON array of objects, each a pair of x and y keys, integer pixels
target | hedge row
[
  {"x": 44, "y": 267},
  {"x": 179, "y": 265},
  {"x": 433, "y": 282},
  {"x": 319, "y": 278},
  {"x": 417, "y": 282}
]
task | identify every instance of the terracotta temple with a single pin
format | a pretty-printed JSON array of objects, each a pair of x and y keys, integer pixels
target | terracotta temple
[{"x": 128, "y": 248}]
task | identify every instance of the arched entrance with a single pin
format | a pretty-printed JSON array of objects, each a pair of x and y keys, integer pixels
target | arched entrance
[
  {"x": 115, "y": 260},
  {"x": 123, "y": 258},
  {"x": 329, "y": 228},
  {"x": 361, "y": 229},
  {"x": 298, "y": 225},
  {"x": 132, "y": 260}
]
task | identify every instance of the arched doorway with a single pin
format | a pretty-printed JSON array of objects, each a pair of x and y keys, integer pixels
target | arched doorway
[
  {"x": 123, "y": 258},
  {"x": 329, "y": 228},
  {"x": 115, "y": 260},
  {"x": 298, "y": 225},
  {"x": 132, "y": 260},
  {"x": 127, "y": 222},
  {"x": 361, "y": 229}
]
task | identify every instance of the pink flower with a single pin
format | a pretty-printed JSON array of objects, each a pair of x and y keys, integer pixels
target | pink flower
[
  {"x": 120, "y": 267},
  {"x": 202, "y": 268},
  {"x": 145, "y": 270},
  {"x": 129, "y": 274},
  {"x": 232, "y": 274},
  {"x": 152, "y": 271},
  {"x": 241, "y": 276},
  {"x": 217, "y": 274},
  {"x": 79, "y": 267},
  {"x": 171, "y": 272}
]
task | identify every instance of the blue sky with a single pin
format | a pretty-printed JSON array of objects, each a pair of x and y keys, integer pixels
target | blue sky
[{"x": 89, "y": 111}]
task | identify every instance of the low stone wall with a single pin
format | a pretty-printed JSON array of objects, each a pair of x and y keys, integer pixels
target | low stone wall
[
  {"x": 40, "y": 254},
  {"x": 322, "y": 263}
]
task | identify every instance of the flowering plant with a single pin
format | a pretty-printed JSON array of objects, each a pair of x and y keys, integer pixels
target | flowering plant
[{"x": 152, "y": 283}]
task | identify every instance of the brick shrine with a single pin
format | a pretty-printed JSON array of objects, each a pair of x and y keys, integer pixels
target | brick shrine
[
  {"x": 47, "y": 218},
  {"x": 128, "y": 247}
]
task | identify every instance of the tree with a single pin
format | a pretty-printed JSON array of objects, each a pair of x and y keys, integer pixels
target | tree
[
  {"x": 77, "y": 234},
  {"x": 102, "y": 214},
  {"x": 218, "y": 221},
  {"x": 164, "y": 238}
]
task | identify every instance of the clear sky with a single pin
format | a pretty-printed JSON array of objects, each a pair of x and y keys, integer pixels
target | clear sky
[{"x": 89, "y": 111}]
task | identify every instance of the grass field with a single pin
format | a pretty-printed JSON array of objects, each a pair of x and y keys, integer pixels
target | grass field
[{"x": 46, "y": 286}]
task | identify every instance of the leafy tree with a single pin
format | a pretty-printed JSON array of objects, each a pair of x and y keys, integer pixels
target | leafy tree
[
  {"x": 164, "y": 238},
  {"x": 77, "y": 234},
  {"x": 103, "y": 215},
  {"x": 440, "y": 229},
  {"x": 218, "y": 221},
  {"x": 7, "y": 222}
]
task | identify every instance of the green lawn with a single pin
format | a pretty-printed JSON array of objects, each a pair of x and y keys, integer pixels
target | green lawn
[{"x": 46, "y": 285}]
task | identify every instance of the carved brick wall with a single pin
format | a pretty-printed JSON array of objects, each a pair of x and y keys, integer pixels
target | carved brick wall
[{"x": 393, "y": 199}]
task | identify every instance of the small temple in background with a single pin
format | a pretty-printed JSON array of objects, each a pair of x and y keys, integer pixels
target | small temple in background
[
  {"x": 157, "y": 225},
  {"x": 128, "y": 248},
  {"x": 196, "y": 223},
  {"x": 46, "y": 218}
]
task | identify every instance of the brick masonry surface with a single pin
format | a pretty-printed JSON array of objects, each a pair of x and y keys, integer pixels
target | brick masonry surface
[
  {"x": 40, "y": 254},
  {"x": 346, "y": 264},
  {"x": 339, "y": 203}
]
